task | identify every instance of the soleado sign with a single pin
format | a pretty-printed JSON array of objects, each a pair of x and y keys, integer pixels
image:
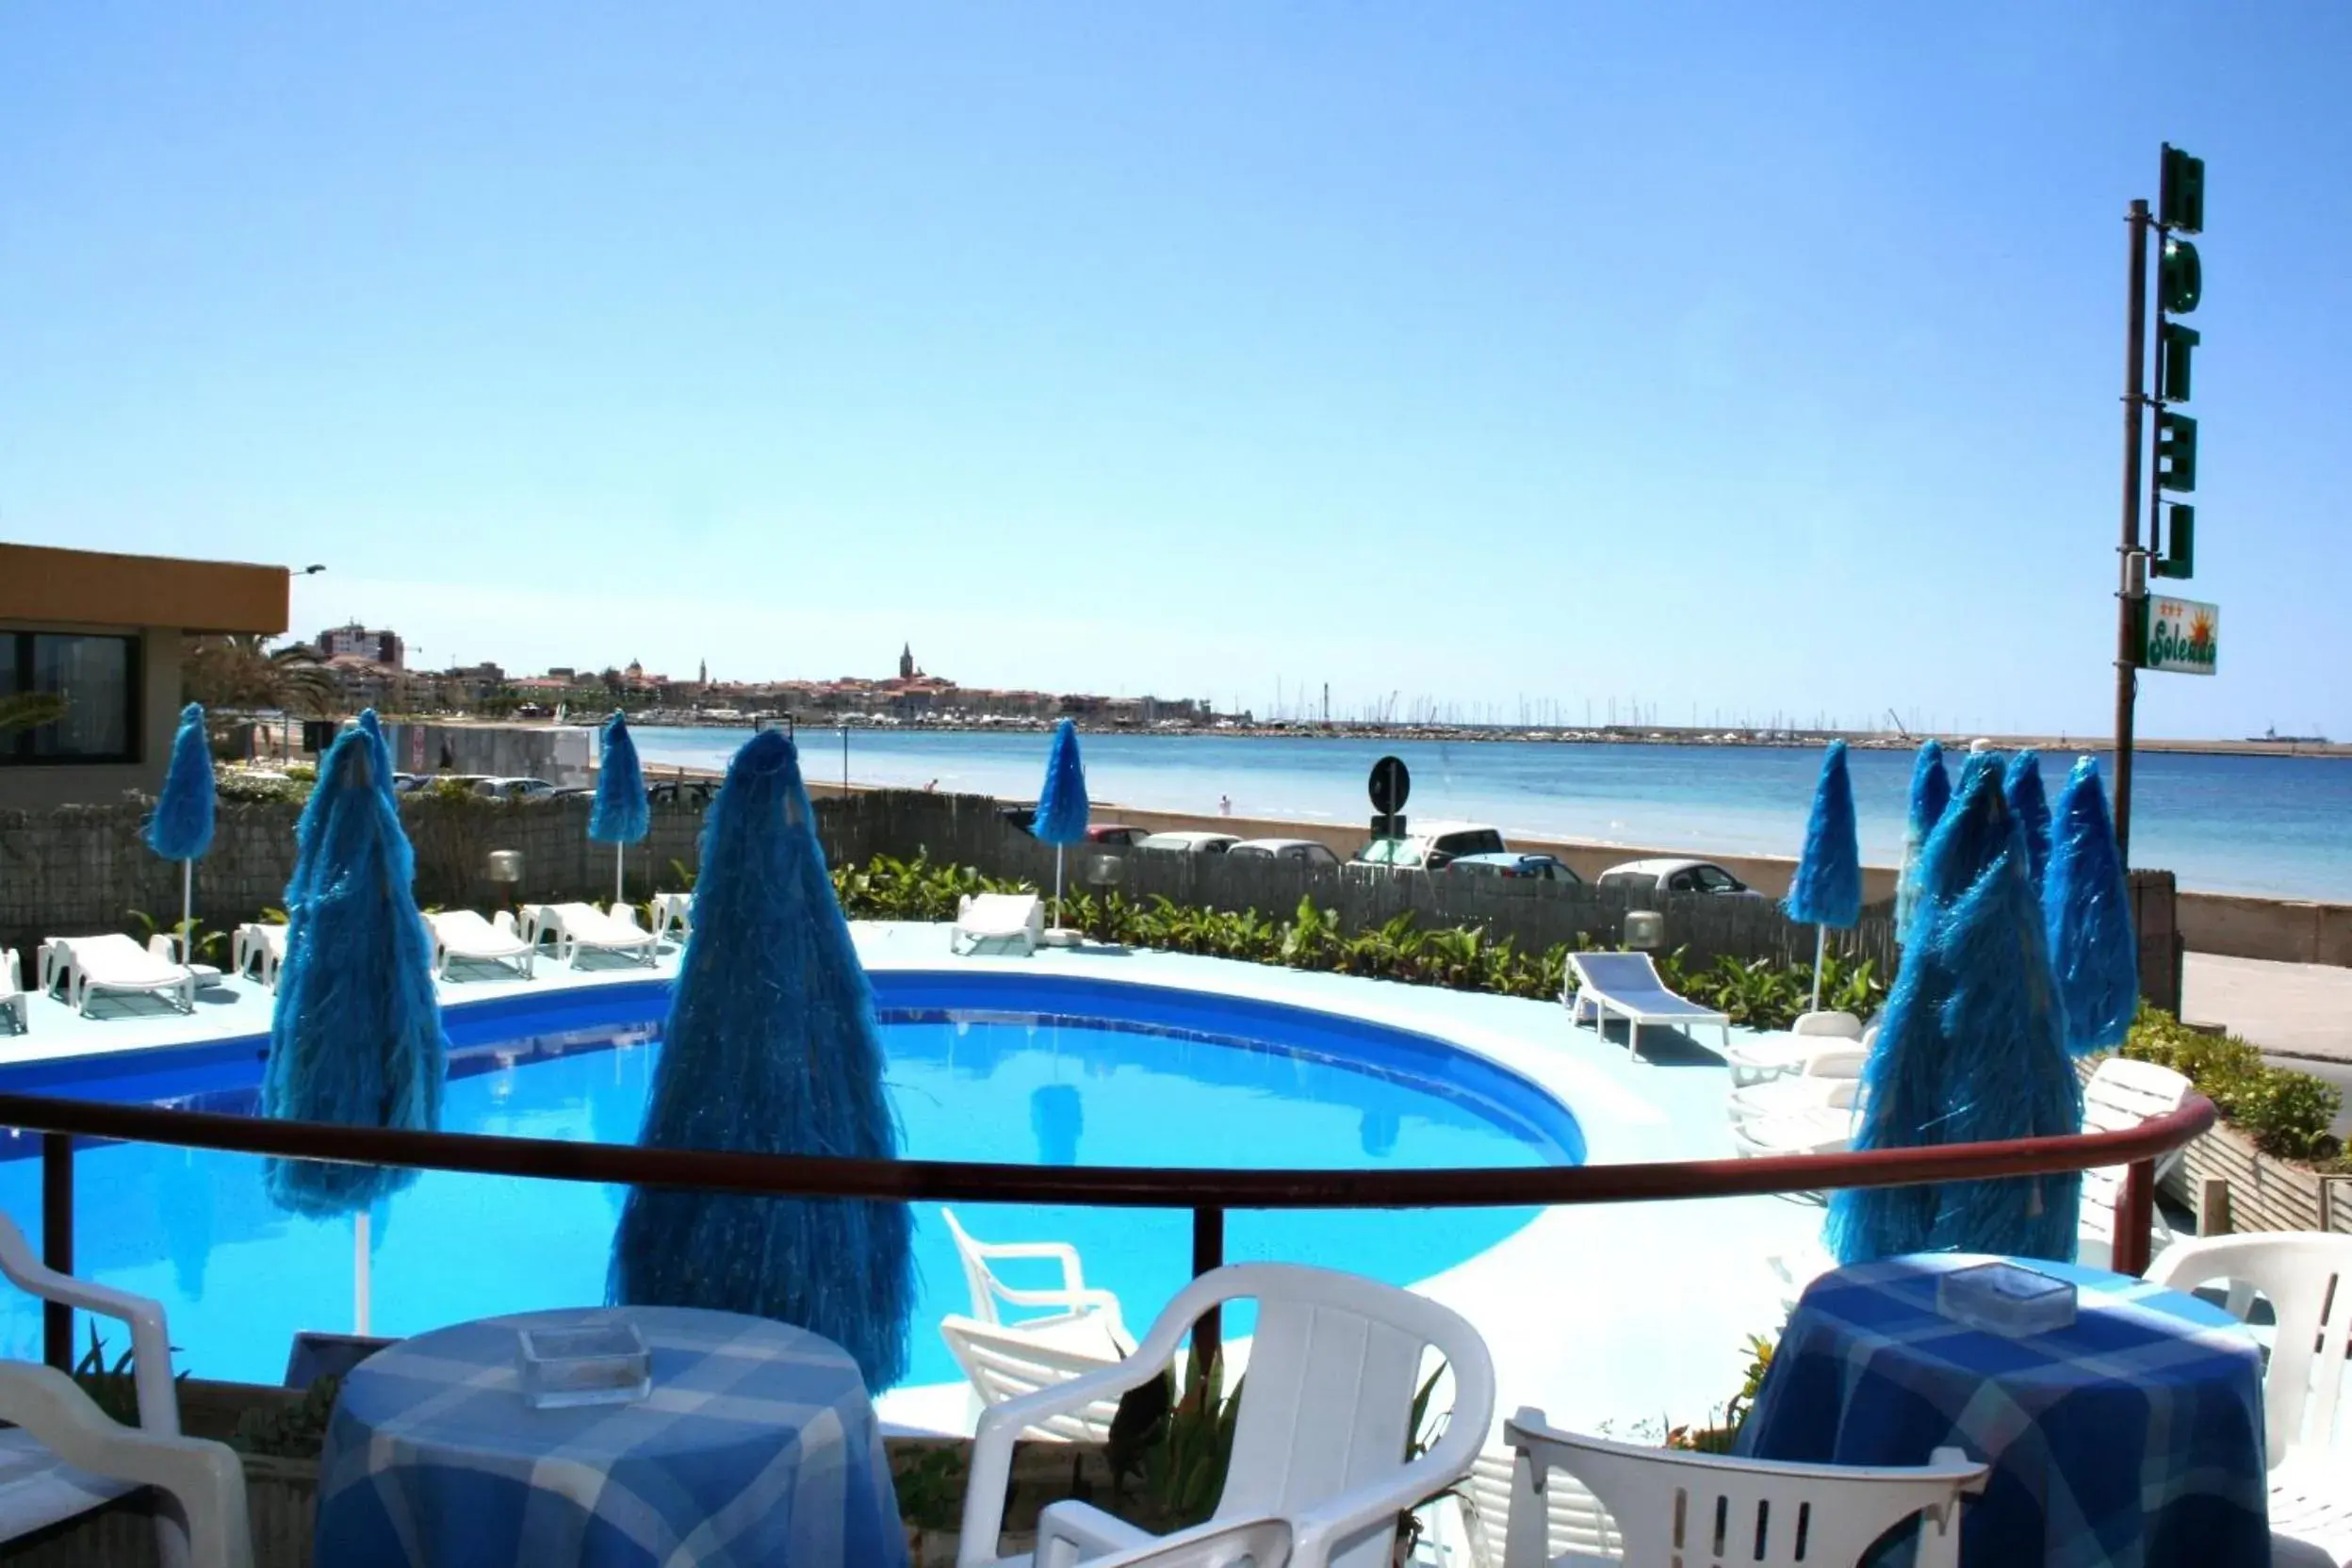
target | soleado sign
[{"x": 2182, "y": 635}]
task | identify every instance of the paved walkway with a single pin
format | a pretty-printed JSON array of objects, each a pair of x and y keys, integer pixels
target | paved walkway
[
  {"x": 2287, "y": 1009},
  {"x": 2299, "y": 1014}
]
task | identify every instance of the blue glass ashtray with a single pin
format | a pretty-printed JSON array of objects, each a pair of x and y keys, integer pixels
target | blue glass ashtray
[
  {"x": 2003, "y": 1298},
  {"x": 604, "y": 1364}
]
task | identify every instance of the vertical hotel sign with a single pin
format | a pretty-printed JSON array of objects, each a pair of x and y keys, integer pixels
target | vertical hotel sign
[
  {"x": 2182, "y": 636},
  {"x": 2180, "y": 288}
]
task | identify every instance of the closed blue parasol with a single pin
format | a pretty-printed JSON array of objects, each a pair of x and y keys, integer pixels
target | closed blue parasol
[
  {"x": 1931, "y": 792},
  {"x": 1062, "y": 805},
  {"x": 2029, "y": 804},
  {"x": 622, "y": 813},
  {"x": 356, "y": 1036},
  {"x": 1828, "y": 887},
  {"x": 181, "y": 827},
  {"x": 2086, "y": 905},
  {"x": 1970, "y": 1049},
  {"x": 771, "y": 1047},
  {"x": 372, "y": 727}
]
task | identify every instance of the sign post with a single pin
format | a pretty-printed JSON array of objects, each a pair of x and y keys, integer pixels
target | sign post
[
  {"x": 1389, "y": 786},
  {"x": 2180, "y": 631}
]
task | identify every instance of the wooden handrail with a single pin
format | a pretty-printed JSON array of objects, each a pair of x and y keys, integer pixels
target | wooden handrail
[{"x": 1114, "y": 1186}]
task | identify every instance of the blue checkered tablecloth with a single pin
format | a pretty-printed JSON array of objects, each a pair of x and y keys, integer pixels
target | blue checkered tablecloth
[
  {"x": 758, "y": 1446},
  {"x": 2132, "y": 1438}
]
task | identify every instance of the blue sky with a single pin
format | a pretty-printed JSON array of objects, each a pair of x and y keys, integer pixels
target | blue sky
[{"x": 1734, "y": 358}]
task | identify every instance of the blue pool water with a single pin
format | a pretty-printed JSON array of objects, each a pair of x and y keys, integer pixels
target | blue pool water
[{"x": 1018, "y": 1070}]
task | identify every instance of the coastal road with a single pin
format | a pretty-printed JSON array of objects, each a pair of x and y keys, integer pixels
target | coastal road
[{"x": 2299, "y": 1014}]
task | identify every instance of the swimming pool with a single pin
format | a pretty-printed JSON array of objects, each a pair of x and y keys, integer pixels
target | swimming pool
[{"x": 1025, "y": 1069}]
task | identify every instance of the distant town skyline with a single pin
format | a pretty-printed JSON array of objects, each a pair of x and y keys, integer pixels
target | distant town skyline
[{"x": 1729, "y": 359}]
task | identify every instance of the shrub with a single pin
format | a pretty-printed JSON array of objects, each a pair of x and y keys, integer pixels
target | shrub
[{"x": 2287, "y": 1114}]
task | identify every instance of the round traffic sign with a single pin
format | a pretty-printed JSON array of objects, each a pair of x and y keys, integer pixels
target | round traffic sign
[{"x": 1388, "y": 785}]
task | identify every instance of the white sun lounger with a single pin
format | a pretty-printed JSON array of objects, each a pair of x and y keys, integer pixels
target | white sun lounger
[
  {"x": 578, "y": 928},
  {"x": 999, "y": 922},
  {"x": 463, "y": 935},
  {"x": 674, "y": 912},
  {"x": 1627, "y": 985},
  {"x": 115, "y": 963},
  {"x": 1835, "y": 1090},
  {"x": 258, "y": 950},
  {"x": 1762, "y": 1056},
  {"x": 12, "y": 992}
]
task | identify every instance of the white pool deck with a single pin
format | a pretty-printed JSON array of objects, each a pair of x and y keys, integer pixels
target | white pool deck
[{"x": 1606, "y": 1315}]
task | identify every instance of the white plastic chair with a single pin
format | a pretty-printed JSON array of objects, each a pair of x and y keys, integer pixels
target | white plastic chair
[
  {"x": 1575, "y": 1522},
  {"x": 113, "y": 962},
  {"x": 2120, "y": 1095},
  {"x": 578, "y": 928},
  {"x": 65, "y": 1457},
  {"x": 1673, "y": 1509},
  {"x": 257, "y": 950},
  {"x": 1251, "y": 1543},
  {"x": 1011, "y": 923},
  {"x": 2306, "y": 1433},
  {"x": 1320, "y": 1438},
  {"x": 1067, "y": 1303},
  {"x": 463, "y": 935},
  {"x": 1004, "y": 1364},
  {"x": 1753, "y": 1061},
  {"x": 12, "y": 999}
]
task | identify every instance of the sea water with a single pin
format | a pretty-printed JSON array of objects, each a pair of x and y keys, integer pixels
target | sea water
[{"x": 2277, "y": 826}]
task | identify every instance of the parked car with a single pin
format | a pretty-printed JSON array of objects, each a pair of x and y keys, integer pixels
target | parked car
[
  {"x": 408, "y": 783},
  {"x": 1540, "y": 868},
  {"x": 1116, "y": 833},
  {"x": 695, "y": 791},
  {"x": 513, "y": 789},
  {"x": 1020, "y": 817},
  {"x": 1678, "y": 877},
  {"x": 1307, "y": 851},
  {"x": 1189, "y": 843},
  {"x": 1435, "y": 846}
]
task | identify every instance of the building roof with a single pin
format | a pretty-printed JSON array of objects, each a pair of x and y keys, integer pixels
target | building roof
[{"x": 94, "y": 588}]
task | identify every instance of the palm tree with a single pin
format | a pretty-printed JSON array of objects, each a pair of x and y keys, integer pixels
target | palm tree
[
  {"x": 27, "y": 709},
  {"x": 243, "y": 671}
]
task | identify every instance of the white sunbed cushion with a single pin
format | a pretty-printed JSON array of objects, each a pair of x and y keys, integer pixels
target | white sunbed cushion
[
  {"x": 463, "y": 931},
  {"x": 1820, "y": 1130},
  {"x": 115, "y": 962},
  {"x": 999, "y": 914},
  {"x": 1793, "y": 1097}
]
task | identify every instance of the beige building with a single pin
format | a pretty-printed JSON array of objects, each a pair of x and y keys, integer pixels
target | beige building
[{"x": 105, "y": 631}]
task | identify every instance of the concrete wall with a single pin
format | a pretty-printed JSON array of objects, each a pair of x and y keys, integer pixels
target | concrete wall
[
  {"x": 45, "y": 787},
  {"x": 2288, "y": 930}
]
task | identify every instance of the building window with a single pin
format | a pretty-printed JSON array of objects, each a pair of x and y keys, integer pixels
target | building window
[{"x": 98, "y": 677}]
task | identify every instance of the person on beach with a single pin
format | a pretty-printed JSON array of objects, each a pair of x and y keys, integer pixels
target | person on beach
[{"x": 1224, "y": 806}]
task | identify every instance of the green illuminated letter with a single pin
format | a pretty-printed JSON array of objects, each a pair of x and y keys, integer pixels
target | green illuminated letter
[
  {"x": 2176, "y": 452},
  {"x": 2179, "y": 278},
  {"x": 2179, "y": 342},
  {"x": 2181, "y": 205},
  {"x": 2180, "y": 557}
]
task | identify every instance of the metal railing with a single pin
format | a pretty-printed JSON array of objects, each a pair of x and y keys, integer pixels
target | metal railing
[{"x": 1208, "y": 1193}]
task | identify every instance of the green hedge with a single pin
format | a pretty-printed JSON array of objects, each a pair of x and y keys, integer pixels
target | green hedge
[
  {"x": 1762, "y": 995},
  {"x": 2287, "y": 1114}
]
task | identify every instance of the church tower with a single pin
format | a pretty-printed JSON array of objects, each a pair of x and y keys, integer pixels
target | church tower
[{"x": 906, "y": 669}]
